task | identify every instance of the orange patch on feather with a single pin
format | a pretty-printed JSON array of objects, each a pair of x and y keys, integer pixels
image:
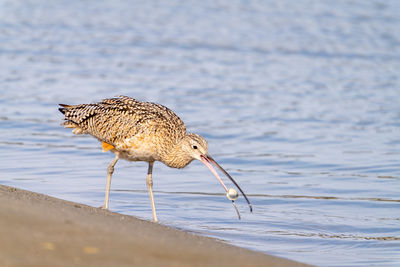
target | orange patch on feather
[{"x": 106, "y": 146}]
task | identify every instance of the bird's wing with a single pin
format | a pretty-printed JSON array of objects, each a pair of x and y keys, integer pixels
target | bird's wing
[{"x": 113, "y": 120}]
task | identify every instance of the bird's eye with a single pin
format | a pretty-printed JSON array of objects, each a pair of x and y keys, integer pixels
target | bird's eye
[{"x": 194, "y": 147}]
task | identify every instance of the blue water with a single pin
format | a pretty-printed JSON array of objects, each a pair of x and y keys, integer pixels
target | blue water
[{"x": 299, "y": 101}]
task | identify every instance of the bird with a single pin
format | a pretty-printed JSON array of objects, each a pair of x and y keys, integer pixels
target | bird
[{"x": 143, "y": 131}]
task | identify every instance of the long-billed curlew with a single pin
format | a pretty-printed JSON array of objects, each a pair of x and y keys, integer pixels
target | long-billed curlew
[{"x": 142, "y": 131}]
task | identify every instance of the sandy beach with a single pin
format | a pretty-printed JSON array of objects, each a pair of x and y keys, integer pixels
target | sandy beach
[{"x": 38, "y": 230}]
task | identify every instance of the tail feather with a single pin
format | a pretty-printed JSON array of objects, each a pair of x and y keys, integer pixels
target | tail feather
[
  {"x": 71, "y": 118},
  {"x": 78, "y": 113},
  {"x": 65, "y": 105},
  {"x": 64, "y": 108}
]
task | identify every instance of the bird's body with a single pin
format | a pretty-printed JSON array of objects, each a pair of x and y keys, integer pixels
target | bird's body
[
  {"x": 138, "y": 131},
  {"x": 135, "y": 130}
]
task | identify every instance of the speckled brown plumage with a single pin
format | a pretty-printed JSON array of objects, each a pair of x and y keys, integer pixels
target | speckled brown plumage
[{"x": 138, "y": 131}]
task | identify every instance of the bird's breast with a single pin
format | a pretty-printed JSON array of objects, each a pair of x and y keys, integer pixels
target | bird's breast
[{"x": 138, "y": 148}]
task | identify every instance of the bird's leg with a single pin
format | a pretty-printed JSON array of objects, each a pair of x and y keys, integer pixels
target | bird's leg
[
  {"x": 110, "y": 170},
  {"x": 149, "y": 182}
]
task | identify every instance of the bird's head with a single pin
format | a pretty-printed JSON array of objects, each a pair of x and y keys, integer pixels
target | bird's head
[{"x": 195, "y": 146}]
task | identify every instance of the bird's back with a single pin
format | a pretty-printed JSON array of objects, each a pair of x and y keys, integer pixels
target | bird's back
[{"x": 127, "y": 124}]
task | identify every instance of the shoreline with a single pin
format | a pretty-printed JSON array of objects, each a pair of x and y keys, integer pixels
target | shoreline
[{"x": 39, "y": 230}]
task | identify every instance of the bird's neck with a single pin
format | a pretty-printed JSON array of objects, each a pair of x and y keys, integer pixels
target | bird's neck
[{"x": 177, "y": 157}]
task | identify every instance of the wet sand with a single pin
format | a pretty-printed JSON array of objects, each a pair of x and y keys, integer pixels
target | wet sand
[{"x": 38, "y": 230}]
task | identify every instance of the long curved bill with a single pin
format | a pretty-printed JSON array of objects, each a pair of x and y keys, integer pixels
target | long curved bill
[{"x": 207, "y": 160}]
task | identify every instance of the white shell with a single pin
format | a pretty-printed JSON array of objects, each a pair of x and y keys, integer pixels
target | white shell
[{"x": 232, "y": 194}]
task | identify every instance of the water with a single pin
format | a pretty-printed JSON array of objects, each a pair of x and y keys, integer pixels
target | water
[{"x": 299, "y": 101}]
